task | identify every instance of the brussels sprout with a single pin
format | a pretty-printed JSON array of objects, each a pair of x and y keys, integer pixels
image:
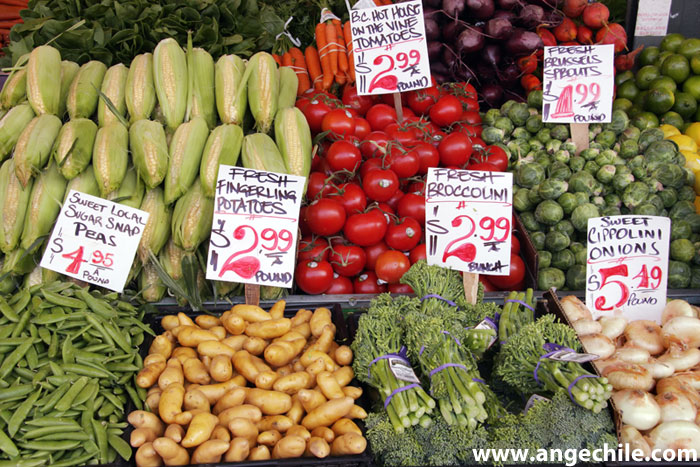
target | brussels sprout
[
  {"x": 560, "y": 132},
  {"x": 645, "y": 209},
  {"x": 682, "y": 210},
  {"x": 568, "y": 202},
  {"x": 520, "y": 133},
  {"x": 529, "y": 175},
  {"x": 576, "y": 277},
  {"x": 581, "y": 215},
  {"x": 504, "y": 124},
  {"x": 655, "y": 200},
  {"x": 686, "y": 193},
  {"x": 622, "y": 169},
  {"x": 606, "y": 139},
  {"x": 490, "y": 117},
  {"x": 590, "y": 154},
  {"x": 653, "y": 184},
  {"x": 620, "y": 181},
  {"x": 534, "y": 124},
  {"x": 582, "y": 182},
  {"x": 694, "y": 221},
  {"x": 534, "y": 99},
  {"x": 556, "y": 241},
  {"x": 577, "y": 163},
  {"x": 519, "y": 113},
  {"x": 606, "y": 173},
  {"x": 534, "y": 196},
  {"x": 682, "y": 249},
  {"x": 577, "y": 246},
  {"x": 696, "y": 245},
  {"x": 660, "y": 151},
  {"x": 535, "y": 144},
  {"x": 628, "y": 149},
  {"x": 595, "y": 128},
  {"x": 529, "y": 221},
  {"x": 689, "y": 176},
  {"x": 609, "y": 211},
  {"x": 505, "y": 107},
  {"x": 598, "y": 201},
  {"x": 544, "y": 258},
  {"x": 630, "y": 134},
  {"x": 613, "y": 199},
  {"x": 542, "y": 158},
  {"x": 565, "y": 226},
  {"x": 678, "y": 275},
  {"x": 680, "y": 228},
  {"x": 552, "y": 188},
  {"x": 670, "y": 175},
  {"x": 596, "y": 146},
  {"x": 669, "y": 196},
  {"x": 563, "y": 259},
  {"x": 520, "y": 200},
  {"x": 544, "y": 135},
  {"x": 591, "y": 167},
  {"x": 635, "y": 194},
  {"x": 559, "y": 170},
  {"x": 649, "y": 136},
  {"x": 538, "y": 240},
  {"x": 606, "y": 156},
  {"x": 582, "y": 198},
  {"x": 695, "y": 238},
  {"x": 619, "y": 161},
  {"x": 548, "y": 278},
  {"x": 562, "y": 156},
  {"x": 548, "y": 212},
  {"x": 619, "y": 122},
  {"x": 552, "y": 146},
  {"x": 492, "y": 135},
  {"x": 694, "y": 278}
]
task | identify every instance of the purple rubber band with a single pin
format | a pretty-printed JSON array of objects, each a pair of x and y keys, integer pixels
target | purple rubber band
[
  {"x": 432, "y": 295},
  {"x": 477, "y": 380},
  {"x": 493, "y": 323},
  {"x": 498, "y": 317},
  {"x": 445, "y": 366},
  {"x": 401, "y": 355},
  {"x": 422, "y": 348},
  {"x": 573, "y": 383},
  {"x": 396, "y": 391},
  {"x": 521, "y": 302},
  {"x": 551, "y": 350},
  {"x": 453, "y": 337}
]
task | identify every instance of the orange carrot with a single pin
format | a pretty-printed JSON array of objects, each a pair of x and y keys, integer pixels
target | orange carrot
[
  {"x": 287, "y": 59},
  {"x": 351, "y": 54},
  {"x": 14, "y": 3},
  {"x": 323, "y": 50},
  {"x": 300, "y": 69},
  {"x": 342, "y": 52},
  {"x": 278, "y": 59},
  {"x": 8, "y": 24},
  {"x": 332, "y": 43},
  {"x": 378, "y": 2},
  {"x": 314, "y": 64},
  {"x": 387, "y": 2}
]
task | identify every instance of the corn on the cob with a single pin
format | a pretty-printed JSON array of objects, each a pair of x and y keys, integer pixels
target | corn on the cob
[
  {"x": 84, "y": 183},
  {"x": 293, "y": 138},
  {"x": 185, "y": 155},
  {"x": 72, "y": 150},
  {"x": 43, "y": 80},
  {"x": 201, "y": 101},
  {"x": 150, "y": 285},
  {"x": 289, "y": 82},
  {"x": 157, "y": 229},
  {"x": 263, "y": 89},
  {"x": 15, "y": 89},
  {"x": 171, "y": 259},
  {"x": 261, "y": 153},
  {"x": 113, "y": 86},
  {"x": 83, "y": 93},
  {"x": 12, "y": 125},
  {"x": 14, "y": 200},
  {"x": 40, "y": 276},
  {"x": 110, "y": 157},
  {"x": 223, "y": 147},
  {"x": 130, "y": 192},
  {"x": 44, "y": 205},
  {"x": 69, "y": 70},
  {"x": 170, "y": 80},
  {"x": 192, "y": 218},
  {"x": 149, "y": 151},
  {"x": 19, "y": 262},
  {"x": 140, "y": 94},
  {"x": 228, "y": 77},
  {"x": 34, "y": 145}
]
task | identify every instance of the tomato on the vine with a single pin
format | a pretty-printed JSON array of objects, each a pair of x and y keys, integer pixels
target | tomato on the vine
[
  {"x": 428, "y": 156},
  {"x": 391, "y": 266},
  {"x": 340, "y": 285},
  {"x": 314, "y": 110},
  {"x": 380, "y": 115},
  {"x": 365, "y": 229},
  {"x": 343, "y": 155},
  {"x": 380, "y": 184},
  {"x": 370, "y": 165},
  {"x": 361, "y": 104},
  {"x": 469, "y": 104},
  {"x": 403, "y": 161},
  {"x": 368, "y": 283},
  {"x": 488, "y": 286},
  {"x": 421, "y": 100},
  {"x": 446, "y": 111},
  {"x": 455, "y": 149},
  {"x": 325, "y": 216},
  {"x": 416, "y": 187},
  {"x": 497, "y": 156},
  {"x": 403, "y": 235},
  {"x": 352, "y": 197},
  {"x": 515, "y": 275},
  {"x": 339, "y": 122},
  {"x": 403, "y": 134},
  {"x": 374, "y": 145},
  {"x": 393, "y": 202},
  {"x": 314, "y": 277},
  {"x": 514, "y": 244},
  {"x": 348, "y": 260},
  {"x": 313, "y": 248},
  {"x": 399, "y": 288},
  {"x": 318, "y": 185},
  {"x": 471, "y": 117},
  {"x": 362, "y": 128},
  {"x": 373, "y": 252},
  {"x": 412, "y": 205},
  {"x": 418, "y": 253},
  {"x": 483, "y": 167}
]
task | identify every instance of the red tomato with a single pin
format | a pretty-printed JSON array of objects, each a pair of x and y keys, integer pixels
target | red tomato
[
  {"x": 387, "y": 210},
  {"x": 325, "y": 216},
  {"x": 455, "y": 149},
  {"x": 403, "y": 134},
  {"x": 365, "y": 229},
  {"x": 477, "y": 143},
  {"x": 314, "y": 277},
  {"x": 514, "y": 245},
  {"x": 420, "y": 101},
  {"x": 403, "y": 161},
  {"x": 343, "y": 155},
  {"x": 373, "y": 253},
  {"x": 472, "y": 117},
  {"x": 469, "y": 104},
  {"x": 318, "y": 184},
  {"x": 412, "y": 205},
  {"x": 391, "y": 265},
  {"x": 418, "y": 253},
  {"x": 362, "y": 128},
  {"x": 361, "y": 104},
  {"x": 483, "y": 166},
  {"x": 446, "y": 111},
  {"x": 303, "y": 225},
  {"x": 393, "y": 202},
  {"x": 340, "y": 285},
  {"x": 416, "y": 187},
  {"x": 428, "y": 156},
  {"x": 314, "y": 110},
  {"x": 339, "y": 122},
  {"x": 374, "y": 145},
  {"x": 404, "y": 234},
  {"x": 368, "y": 283},
  {"x": 352, "y": 197},
  {"x": 369, "y": 165},
  {"x": 517, "y": 274},
  {"x": 488, "y": 286},
  {"x": 380, "y": 115},
  {"x": 348, "y": 260},
  {"x": 399, "y": 288},
  {"x": 497, "y": 156},
  {"x": 380, "y": 184},
  {"x": 313, "y": 248}
]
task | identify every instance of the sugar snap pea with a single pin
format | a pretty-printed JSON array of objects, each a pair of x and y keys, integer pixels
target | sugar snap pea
[
  {"x": 52, "y": 421},
  {"x": 86, "y": 370},
  {"x": 74, "y": 435},
  {"x": 62, "y": 300},
  {"x": 72, "y": 393},
  {"x": 48, "y": 430},
  {"x": 7, "y": 311},
  {"x": 88, "y": 392},
  {"x": 101, "y": 438},
  {"x": 100, "y": 307},
  {"x": 121, "y": 446},
  {"x": 22, "y": 323},
  {"x": 17, "y": 390},
  {"x": 21, "y": 413},
  {"x": 7, "y": 446},
  {"x": 55, "y": 397},
  {"x": 9, "y": 363},
  {"x": 49, "y": 445}
]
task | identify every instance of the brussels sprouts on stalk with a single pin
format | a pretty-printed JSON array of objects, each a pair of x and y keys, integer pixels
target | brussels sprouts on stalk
[
  {"x": 581, "y": 215},
  {"x": 548, "y": 212}
]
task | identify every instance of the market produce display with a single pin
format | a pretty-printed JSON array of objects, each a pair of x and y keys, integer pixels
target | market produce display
[{"x": 299, "y": 402}]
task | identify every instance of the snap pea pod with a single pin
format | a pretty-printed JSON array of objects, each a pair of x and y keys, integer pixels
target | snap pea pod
[
  {"x": 88, "y": 392},
  {"x": 118, "y": 337},
  {"x": 22, "y": 323},
  {"x": 21, "y": 413},
  {"x": 105, "y": 410},
  {"x": 17, "y": 390},
  {"x": 134, "y": 396},
  {"x": 52, "y": 421},
  {"x": 9, "y": 363},
  {"x": 7, "y": 445},
  {"x": 72, "y": 393},
  {"x": 87, "y": 370},
  {"x": 101, "y": 438},
  {"x": 100, "y": 307},
  {"x": 24, "y": 373},
  {"x": 40, "y": 375},
  {"x": 74, "y": 435},
  {"x": 67, "y": 352},
  {"x": 119, "y": 445},
  {"x": 45, "y": 335},
  {"x": 97, "y": 326},
  {"x": 78, "y": 460},
  {"x": 7, "y": 311},
  {"x": 20, "y": 300},
  {"x": 32, "y": 357},
  {"x": 55, "y": 397},
  {"x": 53, "y": 346},
  {"x": 49, "y": 445},
  {"x": 62, "y": 300},
  {"x": 25, "y": 462}
]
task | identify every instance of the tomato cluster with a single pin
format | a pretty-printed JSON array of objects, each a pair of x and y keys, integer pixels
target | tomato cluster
[{"x": 362, "y": 223}]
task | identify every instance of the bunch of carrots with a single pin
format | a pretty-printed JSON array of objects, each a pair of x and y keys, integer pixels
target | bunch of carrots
[{"x": 9, "y": 16}]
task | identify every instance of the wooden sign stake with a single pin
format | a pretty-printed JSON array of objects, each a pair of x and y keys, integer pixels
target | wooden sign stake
[
  {"x": 398, "y": 106},
  {"x": 471, "y": 286},
  {"x": 252, "y": 294},
  {"x": 579, "y": 135}
]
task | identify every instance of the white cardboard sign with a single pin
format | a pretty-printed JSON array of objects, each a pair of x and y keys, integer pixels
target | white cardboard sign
[
  {"x": 468, "y": 220},
  {"x": 390, "y": 49},
  {"x": 652, "y": 18},
  {"x": 578, "y": 84},
  {"x": 254, "y": 231},
  {"x": 627, "y": 266},
  {"x": 95, "y": 240}
]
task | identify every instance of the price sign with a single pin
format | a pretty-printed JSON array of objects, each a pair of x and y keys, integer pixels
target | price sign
[
  {"x": 627, "y": 266},
  {"x": 578, "y": 84},
  {"x": 390, "y": 49},
  {"x": 468, "y": 220},
  {"x": 652, "y": 18},
  {"x": 254, "y": 230},
  {"x": 95, "y": 240}
]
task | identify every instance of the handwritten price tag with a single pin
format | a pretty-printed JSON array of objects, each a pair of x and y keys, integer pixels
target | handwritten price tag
[
  {"x": 390, "y": 49},
  {"x": 578, "y": 84},
  {"x": 254, "y": 231},
  {"x": 95, "y": 240},
  {"x": 468, "y": 220},
  {"x": 652, "y": 18},
  {"x": 627, "y": 265}
]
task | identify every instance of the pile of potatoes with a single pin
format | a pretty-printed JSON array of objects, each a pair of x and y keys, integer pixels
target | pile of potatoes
[{"x": 250, "y": 384}]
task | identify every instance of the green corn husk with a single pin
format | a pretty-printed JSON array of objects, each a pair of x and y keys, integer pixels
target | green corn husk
[
  {"x": 140, "y": 93},
  {"x": 14, "y": 90},
  {"x": 289, "y": 83},
  {"x": 113, "y": 86},
  {"x": 263, "y": 85},
  {"x": 39, "y": 277},
  {"x": 186, "y": 149},
  {"x": 33, "y": 148},
  {"x": 228, "y": 77},
  {"x": 43, "y": 80},
  {"x": 151, "y": 287},
  {"x": 201, "y": 102},
  {"x": 223, "y": 147},
  {"x": 14, "y": 200},
  {"x": 69, "y": 70},
  {"x": 83, "y": 93},
  {"x": 84, "y": 183},
  {"x": 12, "y": 125},
  {"x": 110, "y": 157},
  {"x": 170, "y": 81},
  {"x": 149, "y": 151},
  {"x": 20, "y": 262},
  {"x": 44, "y": 205},
  {"x": 72, "y": 149},
  {"x": 293, "y": 137},
  {"x": 157, "y": 230},
  {"x": 130, "y": 191},
  {"x": 171, "y": 259},
  {"x": 272, "y": 293},
  {"x": 192, "y": 218},
  {"x": 260, "y": 153}
]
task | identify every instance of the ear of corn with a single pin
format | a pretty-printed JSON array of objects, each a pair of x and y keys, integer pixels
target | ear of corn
[
  {"x": 34, "y": 145},
  {"x": 157, "y": 229},
  {"x": 140, "y": 94},
  {"x": 289, "y": 82},
  {"x": 149, "y": 151},
  {"x": 152, "y": 288},
  {"x": 113, "y": 86},
  {"x": 20, "y": 262},
  {"x": 110, "y": 156},
  {"x": 43, "y": 80},
  {"x": 83, "y": 92},
  {"x": 263, "y": 89},
  {"x": 15, "y": 89},
  {"x": 170, "y": 80},
  {"x": 72, "y": 150},
  {"x": 293, "y": 138},
  {"x": 14, "y": 199},
  {"x": 40, "y": 276},
  {"x": 171, "y": 259},
  {"x": 12, "y": 125},
  {"x": 130, "y": 191},
  {"x": 223, "y": 147},
  {"x": 192, "y": 218},
  {"x": 201, "y": 86},
  {"x": 44, "y": 205},
  {"x": 228, "y": 78},
  {"x": 69, "y": 70},
  {"x": 185, "y": 155},
  {"x": 84, "y": 183},
  {"x": 261, "y": 153}
]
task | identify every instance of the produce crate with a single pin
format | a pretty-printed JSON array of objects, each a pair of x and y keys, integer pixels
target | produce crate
[
  {"x": 528, "y": 252},
  {"x": 342, "y": 337}
]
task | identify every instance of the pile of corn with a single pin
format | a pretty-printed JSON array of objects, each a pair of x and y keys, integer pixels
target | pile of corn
[{"x": 150, "y": 136}]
